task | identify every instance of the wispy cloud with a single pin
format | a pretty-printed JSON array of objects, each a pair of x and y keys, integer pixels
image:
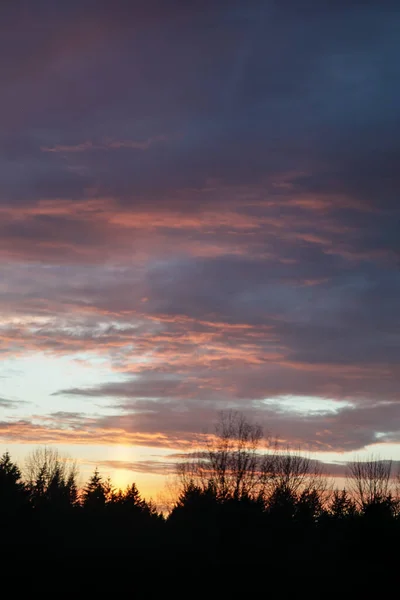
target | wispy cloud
[
  {"x": 153, "y": 467},
  {"x": 12, "y": 403},
  {"x": 168, "y": 467},
  {"x": 108, "y": 144}
]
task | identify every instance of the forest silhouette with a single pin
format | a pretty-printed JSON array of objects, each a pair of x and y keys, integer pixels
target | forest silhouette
[{"x": 235, "y": 504}]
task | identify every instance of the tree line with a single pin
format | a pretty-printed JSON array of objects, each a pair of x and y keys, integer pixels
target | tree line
[{"x": 234, "y": 504}]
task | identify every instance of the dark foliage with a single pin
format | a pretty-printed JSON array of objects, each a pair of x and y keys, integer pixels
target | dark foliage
[{"x": 293, "y": 526}]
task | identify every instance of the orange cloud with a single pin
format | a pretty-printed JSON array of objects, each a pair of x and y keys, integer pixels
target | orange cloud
[
  {"x": 95, "y": 229},
  {"x": 29, "y": 432}
]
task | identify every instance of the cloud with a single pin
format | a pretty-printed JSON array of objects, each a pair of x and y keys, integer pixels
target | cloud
[
  {"x": 168, "y": 467},
  {"x": 226, "y": 348},
  {"x": 153, "y": 467},
  {"x": 40, "y": 430},
  {"x": 190, "y": 355},
  {"x": 206, "y": 198},
  {"x": 106, "y": 145},
  {"x": 9, "y": 403},
  {"x": 184, "y": 424}
]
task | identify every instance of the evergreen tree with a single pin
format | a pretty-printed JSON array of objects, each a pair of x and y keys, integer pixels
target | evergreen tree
[
  {"x": 341, "y": 506},
  {"x": 94, "y": 495},
  {"x": 132, "y": 498},
  {"x": 72, "y": 490},
  {"x": 12, "y": 489},
  {"x": 51, "y": 480}
]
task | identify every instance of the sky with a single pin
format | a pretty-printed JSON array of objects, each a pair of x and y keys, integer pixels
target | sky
[{"x": 199, "y": 211}]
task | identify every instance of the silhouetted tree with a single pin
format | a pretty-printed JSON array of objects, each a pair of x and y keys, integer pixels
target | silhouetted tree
[
  {"x": 230, "y": 463},
  {"x": 341, "y": 506},
  {"x": 281, "y": 505},
  {"x": 194, "y": 498},
  {"x": 129, "y": 504},
  {"x": 296, "y": 473},
  {"x": 308, "y": 507},
  {"x": 12, "y": 489},
  {"x": 51, "y": 479},
  {"x": 72, "y": 489},
  {"x": 237, "y": 506},
  {"x": 96, "y": 493},
  {"x": 131, "y": 498},
  {"x": 194, "y": 521},
  {"x": 370, "y": 481}
]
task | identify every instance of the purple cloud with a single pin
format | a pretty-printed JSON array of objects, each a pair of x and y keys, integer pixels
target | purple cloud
[{"x": 206, "y": 197}]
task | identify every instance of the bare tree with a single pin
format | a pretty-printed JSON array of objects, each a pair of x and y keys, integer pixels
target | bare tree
[
  {"x": 396, "y": 494},
  {"x": 239, "y": 462},
  {"x": 296, "y": 484},
  {"x": 231, "y": 462},
  {"x": 295, "y": 472},
  {"x": 290, "y": 470},
  {"x": 50, "y": 475},
  {"x": 370, "y": 480}
]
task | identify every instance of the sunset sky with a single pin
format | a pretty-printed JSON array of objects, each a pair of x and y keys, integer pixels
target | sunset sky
[{"x": 199, "y": 210}]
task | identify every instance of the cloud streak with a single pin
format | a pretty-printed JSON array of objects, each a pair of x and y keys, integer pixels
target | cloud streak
[{"x": 106, "y": 145}]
